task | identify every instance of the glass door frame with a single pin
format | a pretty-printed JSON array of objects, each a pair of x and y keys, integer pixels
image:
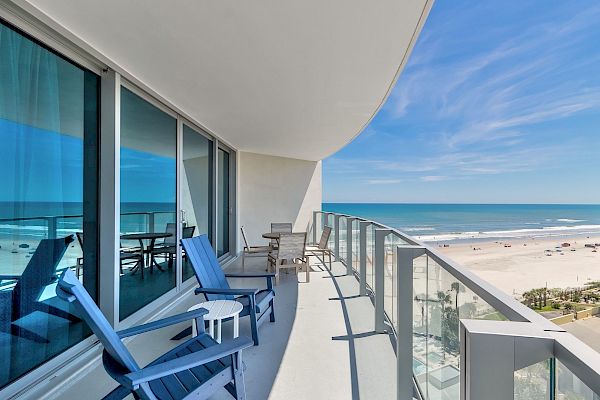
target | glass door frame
[{"x": 232, "y": 191}]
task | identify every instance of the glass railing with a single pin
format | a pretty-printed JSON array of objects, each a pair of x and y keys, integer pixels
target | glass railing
[{"x": 431, "y": 304}]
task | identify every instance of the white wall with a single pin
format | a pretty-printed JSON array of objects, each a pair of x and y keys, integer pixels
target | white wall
[{"x": 275, "y": 189}]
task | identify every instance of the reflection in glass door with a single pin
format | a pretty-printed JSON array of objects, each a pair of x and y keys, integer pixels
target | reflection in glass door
[
  {"x": 223, "y": 206},
  {"x": 148, "y": 203},
  {"x": 196, "y": 189},
  {"x": 48, "y": 133}
]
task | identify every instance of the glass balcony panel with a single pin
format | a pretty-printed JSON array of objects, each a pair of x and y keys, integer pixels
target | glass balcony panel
[
  {"x": 343, "y": 242},
  {"x": 355, "y": 245},
  {"x": 329, "y": 221},
  {"x": 370, "y": 249},
  {"x": 570, "y": 387},
  {"x": 440, "y": 300},
  {"x": 533, "y": 382}
]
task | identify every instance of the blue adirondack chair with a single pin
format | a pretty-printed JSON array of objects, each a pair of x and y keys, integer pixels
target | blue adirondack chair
[
  {"x": 193, "y": 370},
  {"x": 213, "y": 283},
  {"x": 23, "y": 299}
]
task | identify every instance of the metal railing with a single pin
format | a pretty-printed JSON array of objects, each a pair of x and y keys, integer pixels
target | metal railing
[{"x": 461, "y": 337}]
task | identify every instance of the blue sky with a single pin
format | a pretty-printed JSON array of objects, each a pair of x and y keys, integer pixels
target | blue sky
[{"x": 499, "y": 103}]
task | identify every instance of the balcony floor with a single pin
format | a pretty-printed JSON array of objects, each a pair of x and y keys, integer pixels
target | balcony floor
[{"x": 319, "y": 347}]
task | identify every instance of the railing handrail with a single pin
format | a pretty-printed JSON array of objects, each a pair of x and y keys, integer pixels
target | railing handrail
[
  {"x": 47, "y": 217},
  {"x": 578, "y": 357}
]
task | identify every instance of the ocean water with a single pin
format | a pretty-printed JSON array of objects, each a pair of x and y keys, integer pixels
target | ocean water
[{"x": 476, "y": 222}]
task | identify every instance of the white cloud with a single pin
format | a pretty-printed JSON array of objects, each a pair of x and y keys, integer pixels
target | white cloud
[
  {"x": 433, "y": 178},
  {"x": 383, "y": 181}
]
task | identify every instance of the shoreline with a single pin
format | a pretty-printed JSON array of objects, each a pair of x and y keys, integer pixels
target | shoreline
[{"x": 528, "y": 263}]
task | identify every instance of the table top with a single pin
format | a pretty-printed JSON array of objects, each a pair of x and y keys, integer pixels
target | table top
[
  {"x": 146, "y": 235},
  {"x": 219, "y": 309},
  {"x": 271, "y": 235},
  {"x": 275, "y": 235}
]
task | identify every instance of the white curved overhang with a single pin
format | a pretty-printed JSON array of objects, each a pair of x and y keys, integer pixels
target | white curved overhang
[{"x": 295, "y": 79}]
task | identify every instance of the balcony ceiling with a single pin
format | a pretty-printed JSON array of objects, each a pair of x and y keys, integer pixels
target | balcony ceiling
[{"x": 289, "y": 78}]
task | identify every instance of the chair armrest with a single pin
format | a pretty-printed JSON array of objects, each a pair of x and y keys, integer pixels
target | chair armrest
[
  {"x": 252, "y": 275},
  {"x": 161, "y": 323},
  {"x": 233, "y": 292},
  {"x": 268, "y": 275},
  {"x": 134, "y": 379},
  {"x": 9, "y": 277}
]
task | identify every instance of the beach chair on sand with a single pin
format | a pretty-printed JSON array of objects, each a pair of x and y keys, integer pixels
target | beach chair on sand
[{"x": 195, "y": 369}]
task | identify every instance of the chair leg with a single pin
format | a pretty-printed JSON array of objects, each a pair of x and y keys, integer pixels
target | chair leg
[
  {"x": 238, "y": 377},
  {"x": 307, "y": 271},
  {"x": 253, "y": 323},
  {"x": 329, "y": 260},
  {"x": 272, "y": 315}
]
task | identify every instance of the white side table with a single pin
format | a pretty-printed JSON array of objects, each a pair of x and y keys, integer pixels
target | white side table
[{"x": 218, "y": 310}]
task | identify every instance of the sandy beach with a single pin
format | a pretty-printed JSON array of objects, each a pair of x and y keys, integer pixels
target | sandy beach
[{"x": 525, "y": 264}]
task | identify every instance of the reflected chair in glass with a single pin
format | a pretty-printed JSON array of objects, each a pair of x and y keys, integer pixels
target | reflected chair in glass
[
  {"x": 79, "y": 265},
  {"x": 169, "y": 251},
  {"x": 252, "y": 251},
  {"x": 290, "y": 254},
  {"x": 322, "y": 249},
  {"x": 258, "y": 303},
  {"x": 195, "y": 369},
  {"x": 24, "y": 298},
  {"x": 127, "y": 255},
  {"x": 279, "y": 227}
]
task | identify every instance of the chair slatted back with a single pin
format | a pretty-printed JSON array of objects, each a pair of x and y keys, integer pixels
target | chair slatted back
[
  {"x": 246, "y": 246},
  {"x": 206, "y": 266},
  {"x": 70, "y": 289},
  {"x": 39, "y": 273},
  {"x": 80, "y": 238},
  {"x": 291, "y": 246},
  {"x": 280, "y": 227},
  {"x": 188, "y": 232},
  {"x": 172, "y": 229},
  {"x": 325, "y": 237}
]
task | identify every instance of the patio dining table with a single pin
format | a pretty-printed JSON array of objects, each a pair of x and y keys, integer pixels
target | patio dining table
[
  {"x": 271, "y": 235},
  {"x": 151, "y": 237}
]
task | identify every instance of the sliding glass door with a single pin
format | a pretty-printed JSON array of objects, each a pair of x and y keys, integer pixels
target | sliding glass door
[
  {"x": 196, "y": 189},
  {"x": 148, "y": 203},
  {"x": 48, "y": 133}
]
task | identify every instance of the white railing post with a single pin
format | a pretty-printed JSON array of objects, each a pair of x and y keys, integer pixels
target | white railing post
[
  {"x": 491, "y": 352},
  {"x": 379, "y": 288},
  {"x": 336, "y": 230},
  {"x": 362, "y": 266},
  {"x": 349, "y": 243},
  {"x": 151, "y": 219},
  {"x": 314, "y": 227},
  {"x": 404, "y": 319},
  {"x": 52, "y": 227}
]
